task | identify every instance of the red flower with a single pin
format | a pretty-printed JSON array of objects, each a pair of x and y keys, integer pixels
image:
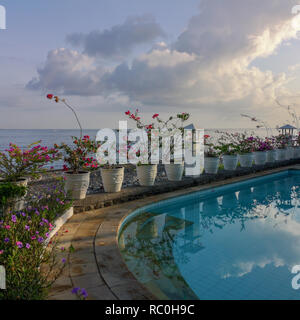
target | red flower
[
  {"x": 155, "y": 115},
  {"x": 127, "y": 113},
  {"x": 133, "y": 116},
  {"x": 150, "y": 126},
  {"x": 206, "y": 136},
  {"x": 50, "y": 96}
]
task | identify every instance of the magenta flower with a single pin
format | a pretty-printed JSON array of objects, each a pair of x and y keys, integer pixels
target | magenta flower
[{"x": 19, "y": 244}]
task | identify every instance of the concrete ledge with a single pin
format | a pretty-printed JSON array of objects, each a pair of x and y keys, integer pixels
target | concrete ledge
[
  {"x": 59, "y": 222},
  {"x": 102, "y": 200}
]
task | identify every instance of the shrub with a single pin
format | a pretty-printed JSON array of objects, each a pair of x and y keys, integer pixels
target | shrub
[
  {"x": 23, "y": 249},
  {"x": 9, "y": 192}
]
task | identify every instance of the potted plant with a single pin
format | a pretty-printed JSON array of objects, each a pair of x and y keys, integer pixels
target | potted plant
[
  {"x": 211, "y": 157},
  {"x": 112, "y": 176},
  {"x": 281, "y": 143},
  {"x": 227, "y": 145},
  {"x": 271, "y": 152},
  {"x": 260, "y": 151},
  {"x": 167, "y": 129},
  {"x": 18, "y": 165},
  {"x": 146, "y": 172},
  {"x": 245, "y": 151},
  {"x": 229, "y": 156},
  {"x": 297, "y": 147},
  {"x": 78, "y": 164},
  {"x": 11, "y": 197}
]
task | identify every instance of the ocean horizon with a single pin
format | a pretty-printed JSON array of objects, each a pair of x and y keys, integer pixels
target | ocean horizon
[{"x": 48, "y": 137}]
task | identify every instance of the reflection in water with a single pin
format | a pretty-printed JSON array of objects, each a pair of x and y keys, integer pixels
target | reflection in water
[{"x": 236, "y": 243}]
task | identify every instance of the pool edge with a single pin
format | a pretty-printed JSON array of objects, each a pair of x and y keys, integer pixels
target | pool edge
[{"x": 112, "y": 267}]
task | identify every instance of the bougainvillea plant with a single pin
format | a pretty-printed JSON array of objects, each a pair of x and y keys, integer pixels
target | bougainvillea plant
[
  {"x": 261, "y": 145},
  {"x": 78, "y": 156},
  {"x": 210, "y": 150},
  {"x": 17, "y": 163},
  {"x": 282, "y": 141},
  {"x": 164, "y": 128},
  {"x": 57, "y": 100}
]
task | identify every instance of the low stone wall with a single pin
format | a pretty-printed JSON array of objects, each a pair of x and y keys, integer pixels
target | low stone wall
[{"x": 101, "y": 200}]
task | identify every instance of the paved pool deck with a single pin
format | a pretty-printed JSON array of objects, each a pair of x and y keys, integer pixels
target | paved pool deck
[{"x": 96, "y": 264}]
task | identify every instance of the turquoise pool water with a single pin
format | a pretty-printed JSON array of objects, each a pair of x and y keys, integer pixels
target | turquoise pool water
[{"x": 239, "y": 241}]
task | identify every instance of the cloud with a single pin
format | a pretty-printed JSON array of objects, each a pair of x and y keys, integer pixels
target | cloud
[
  {"x": 69, "y": 72},
  {"x": 207, "y": 69},
  {"x": 228, "y": 30},
  {"x": 120, "y": 40}
]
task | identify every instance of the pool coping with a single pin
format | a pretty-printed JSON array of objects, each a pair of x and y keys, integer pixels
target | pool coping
[{"x": 111, "y": 266}]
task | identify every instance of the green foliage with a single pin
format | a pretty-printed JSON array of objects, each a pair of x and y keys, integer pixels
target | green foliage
[
  {"x": 29, "y": 262},
  {"x": 10, "y": 191}
]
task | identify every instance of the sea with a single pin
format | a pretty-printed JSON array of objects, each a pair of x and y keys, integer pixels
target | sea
[{"x": 49, "y": 137}]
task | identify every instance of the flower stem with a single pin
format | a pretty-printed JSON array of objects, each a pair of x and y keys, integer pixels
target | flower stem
[{"x": 67, "y": 105}]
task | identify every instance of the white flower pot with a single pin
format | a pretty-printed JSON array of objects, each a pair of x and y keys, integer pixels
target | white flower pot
[
  {"x": 280, "y": 154},
  {"x": 174, "y": 171},
  {"x": 246, "y": 160},
  {"x": 260, "y": 157},
  {"x": 271, "y": 156},
  {"x": 230, "y": 162},
  {"x": 77, "y": 184},
  {"x": 112, "y": 179},
  {"x": 146, "y": 174},
  {"x": 19, "y": 203},
  {"x": 211, "y": 165},
  {"x": 289, "y": 153},
  {"x": 296, "y": 152}
]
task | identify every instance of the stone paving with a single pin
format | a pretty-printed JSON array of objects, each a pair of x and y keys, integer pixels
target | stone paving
[{"x": 97, "y": 265}]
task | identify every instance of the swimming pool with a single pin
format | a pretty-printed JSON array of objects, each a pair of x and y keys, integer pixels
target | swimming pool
[{"x": 238, "y": 241}]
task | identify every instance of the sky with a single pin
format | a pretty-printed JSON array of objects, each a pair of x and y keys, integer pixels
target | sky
[{"x": 216, "y": 59}]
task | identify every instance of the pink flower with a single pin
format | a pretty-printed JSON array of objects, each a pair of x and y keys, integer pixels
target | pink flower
[
  {"x": 155, "y": 115},
  {"x": 19, "y": 244}
]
